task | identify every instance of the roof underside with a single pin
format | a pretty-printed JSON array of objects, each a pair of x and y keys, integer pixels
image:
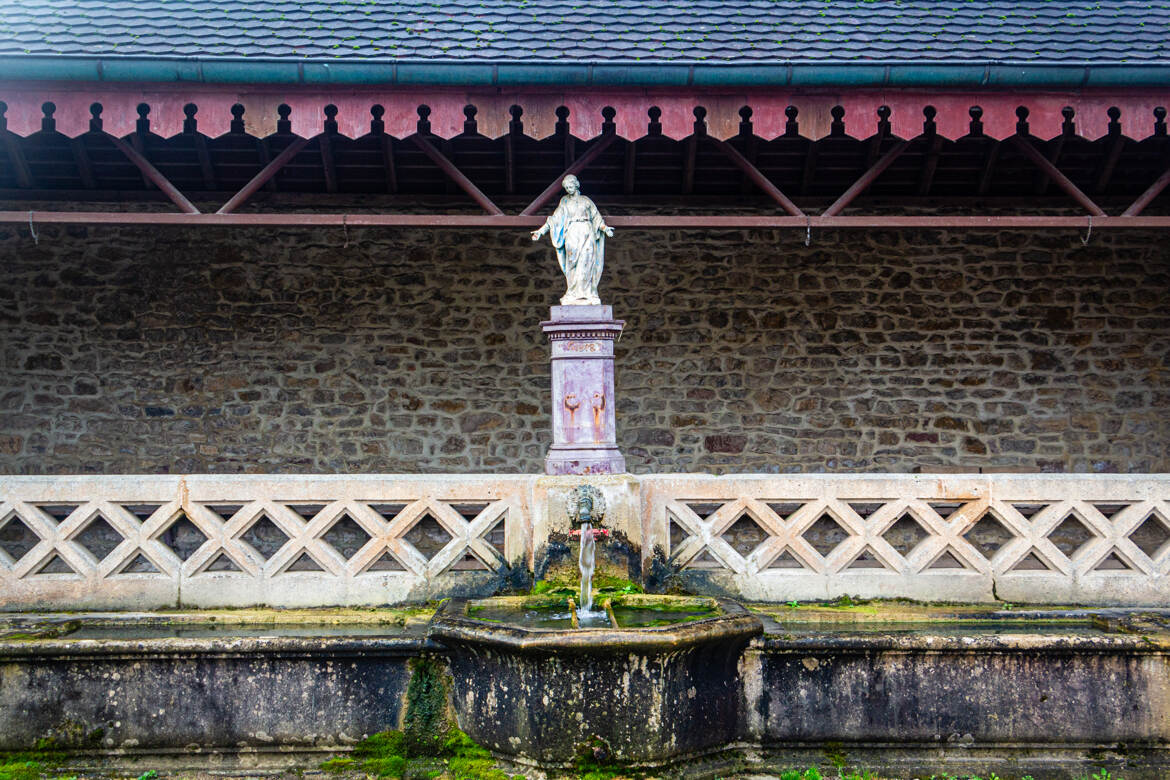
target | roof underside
[
  {"x": 515, "y": 165},
  {"x": 1073, "y": 31}
]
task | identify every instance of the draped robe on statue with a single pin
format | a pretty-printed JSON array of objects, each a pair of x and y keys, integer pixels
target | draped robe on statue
[{"x": 575, "y": 229}]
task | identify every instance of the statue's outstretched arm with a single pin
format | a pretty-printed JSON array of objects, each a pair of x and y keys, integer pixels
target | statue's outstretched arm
[{"x": 598, "y": 220}]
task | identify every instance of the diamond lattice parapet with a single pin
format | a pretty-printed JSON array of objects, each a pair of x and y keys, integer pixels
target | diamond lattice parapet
[
  {"x": 1038, "y": 539},
  {"x": 303, "y": 541}
]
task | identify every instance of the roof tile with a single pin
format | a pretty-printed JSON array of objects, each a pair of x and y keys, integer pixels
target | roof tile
[{"x": 712, "y": 30}]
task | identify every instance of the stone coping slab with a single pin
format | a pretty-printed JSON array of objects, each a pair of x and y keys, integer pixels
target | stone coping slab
[
  {"x": 226, "y": 647},
  {"x": 451, "y": 624}
]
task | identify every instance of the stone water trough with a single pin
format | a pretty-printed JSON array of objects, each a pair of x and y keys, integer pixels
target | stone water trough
[
  {"x": 651, "y": 693},
  {"x": 903, "y": 690}
]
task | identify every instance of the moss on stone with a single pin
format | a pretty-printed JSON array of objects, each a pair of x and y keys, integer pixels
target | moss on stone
[
  {"x": 384, "y": 754},
  {"x": 21, "y": 770},
  {"x": 426, "y": 723},
  {"x": 32, "y": 764}
]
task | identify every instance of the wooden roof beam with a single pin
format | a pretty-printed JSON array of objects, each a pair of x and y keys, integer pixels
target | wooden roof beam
[
  {"x": 867, "y": 178},
  {"x": 1058, "y": 178},
  {"x": 757, "y": 177},
  {"x": 153, "y": 175},
  {"x": 456, "y": 175},
  {"x": 594, "y": 151},
  {"x": 1153, "y": 191},
  {"x": 262, "y": 178},
  {"x": 84, "y": 164}
]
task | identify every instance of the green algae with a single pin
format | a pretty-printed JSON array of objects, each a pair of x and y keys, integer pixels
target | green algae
[
  {"x": 603, "y": 585},
  {"x": 426, "y": 723},
  {"x": 33, "y": 764},
  {"x": 428, "y": 745},
  {"x": 387, "y": 754}
]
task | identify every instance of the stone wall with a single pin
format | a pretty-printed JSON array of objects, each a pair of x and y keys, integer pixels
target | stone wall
[{"x": 130, "y": 350}]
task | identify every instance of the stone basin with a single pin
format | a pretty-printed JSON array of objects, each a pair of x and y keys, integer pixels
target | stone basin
[{"x": 651, "y": 694}]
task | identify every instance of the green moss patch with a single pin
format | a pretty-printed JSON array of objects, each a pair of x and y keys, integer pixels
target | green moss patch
[
  {"x": 32, "y": 764},
  {"x": 386, "y": 754}
]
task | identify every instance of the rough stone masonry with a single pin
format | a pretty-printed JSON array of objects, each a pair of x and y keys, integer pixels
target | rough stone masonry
[{"x": 129, "y": 350}]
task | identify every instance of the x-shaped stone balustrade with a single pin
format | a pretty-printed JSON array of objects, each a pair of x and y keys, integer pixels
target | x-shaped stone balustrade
[
  {"x": 223, "y": 536},
  {"x": 943, "y": 535},
  {"x": 1110, "y": 535}
]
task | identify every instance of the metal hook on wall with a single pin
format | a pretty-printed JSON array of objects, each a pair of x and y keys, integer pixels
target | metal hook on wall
[
  {"x": 36, "y": 239},
  {"x": 1085, "y": 238},
  {"x": 808, "y": 231}
]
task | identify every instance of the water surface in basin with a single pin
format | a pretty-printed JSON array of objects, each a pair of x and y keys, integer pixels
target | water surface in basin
[
  {"x": 541, "y": 617},
  {"x": 558, "y": 617},
  {"x": 649, "y": 617},
  {"x": 207, "y": 631}
]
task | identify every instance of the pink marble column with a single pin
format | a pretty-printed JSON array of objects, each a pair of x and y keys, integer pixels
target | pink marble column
[{"x": 584, "y": 425}]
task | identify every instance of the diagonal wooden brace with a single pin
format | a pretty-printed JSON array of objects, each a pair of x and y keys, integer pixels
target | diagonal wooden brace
[
  {"x": 1153, "y": 191},
  {"x": 866, "y": 179},
  {"x": 592, "y": 154},
  {"x": 456, "y": 175},
  {"x": 155, "y": 176},
  {"x": 262, "y": 178},
  {"x": 757, "y": 176},
  {"x": 1058, "y": 178}
]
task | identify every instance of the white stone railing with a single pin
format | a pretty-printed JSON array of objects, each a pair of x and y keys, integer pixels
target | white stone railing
[
  {"x": 1087, "y": 539},
  {"x": 152, "y": 541},
  {"x": 140, "y": 542}
]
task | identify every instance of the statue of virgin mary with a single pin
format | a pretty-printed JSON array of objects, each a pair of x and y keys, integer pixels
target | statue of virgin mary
[{"x": 578, "y": 233}]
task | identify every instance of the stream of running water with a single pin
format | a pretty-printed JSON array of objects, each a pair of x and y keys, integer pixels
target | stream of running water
[{"x": 585, "y": 562}]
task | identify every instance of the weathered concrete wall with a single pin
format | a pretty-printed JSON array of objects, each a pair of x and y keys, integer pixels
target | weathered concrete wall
[
  {"x": 204, "y": 695},
  {"x": 1016, "y": 704},
  {"x": 1051, "y": 706},
  {"x": 166, "y": 350}
]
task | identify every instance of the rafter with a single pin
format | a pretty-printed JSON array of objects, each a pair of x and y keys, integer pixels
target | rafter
[
  {"x": 929, "y": 165},
  {"x": 630, "y": 168},
  {"x": 137, "y": 145},
  {"x": 866, "y": 179},
  {"x": 388, "y": 163},
  {"x": 757, "y": 177},
  {"x": 594, "y": 151},
  {"x": 1153, "y": 191},
  {"x": 1109, "y": 165},
  {"x": 327, "y": 163},
  {"x": 689, "y": 157},
  {"x": 988, "y": 172},
  {"x": 456, "y": 175},
  {"x": 84, "y": 164},
  {"x": 205, "y": 165},
  {"x": 153, "y": 175},
  {"x": 1062, "y": 181},
  {"x": 265, "y": 156},
  {"x": 810, "y": 168},
  {"x": 265, "y": 175},
  {"x": 509, "y": 165},
  {"x": 1042, "y": 180}
]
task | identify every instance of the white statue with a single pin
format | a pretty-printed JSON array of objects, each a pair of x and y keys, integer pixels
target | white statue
[{"x": 578, "y": 233}]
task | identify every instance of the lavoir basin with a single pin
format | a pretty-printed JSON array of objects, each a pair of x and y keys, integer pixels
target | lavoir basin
[{"x": 686, "y": 686}]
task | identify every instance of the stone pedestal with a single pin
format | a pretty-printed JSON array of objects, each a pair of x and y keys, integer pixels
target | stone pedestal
[{"x": 583, "y": 421}]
